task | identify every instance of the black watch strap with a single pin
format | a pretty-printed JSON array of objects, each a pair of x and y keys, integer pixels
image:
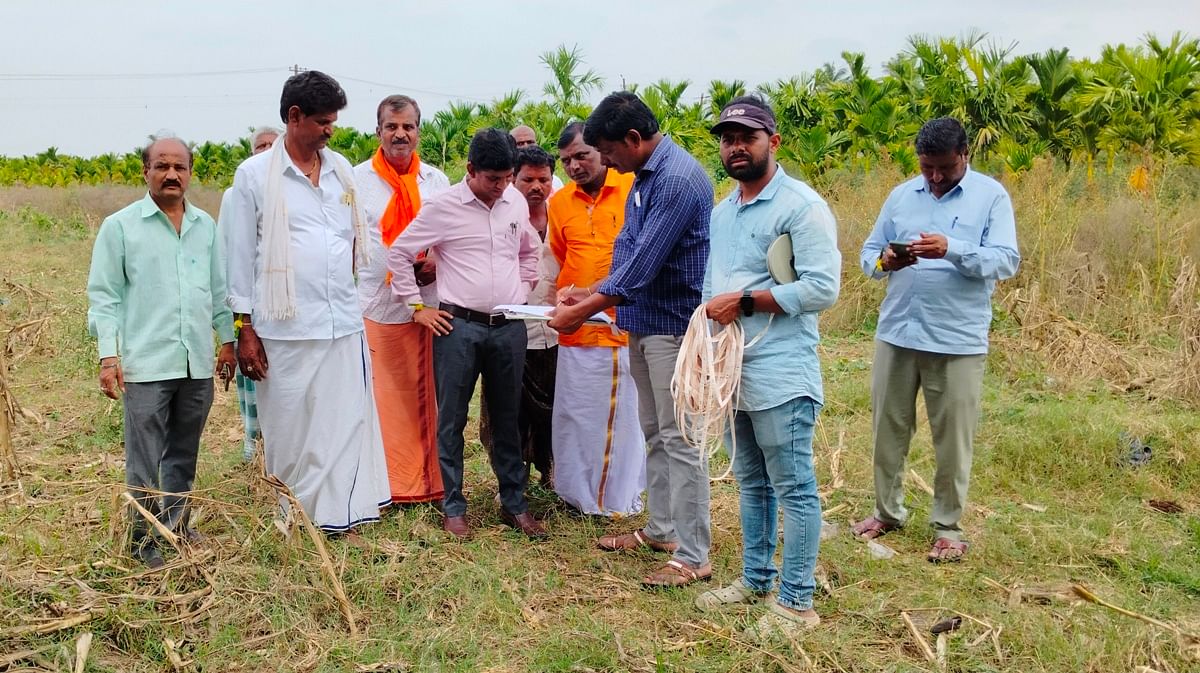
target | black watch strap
[{"x": 747, "y": 303}]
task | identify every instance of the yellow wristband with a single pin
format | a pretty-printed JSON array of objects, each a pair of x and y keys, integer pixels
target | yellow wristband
[
  {"x": 879, "y": 264},
  {"x": 417, "y": 307}
]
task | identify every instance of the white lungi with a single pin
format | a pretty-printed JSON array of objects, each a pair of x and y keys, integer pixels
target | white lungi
[
  {"x": 599, "y": 449},
  {"x": 321, "y": 429}
]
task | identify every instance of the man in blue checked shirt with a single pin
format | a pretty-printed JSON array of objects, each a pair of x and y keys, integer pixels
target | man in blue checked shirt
[
  {"x": 942, "y": 240},
  {"x": 781, "y": 391},
  {"x": 655, "y": 282}
]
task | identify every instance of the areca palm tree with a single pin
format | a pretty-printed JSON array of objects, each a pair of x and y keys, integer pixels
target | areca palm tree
[
  {"x": 447, "y": 135},
  {"x": 569, "y": 83},
  {"x": 1052, "y": 120},
  {"x": 814, "y": 149},
  {"x": 721, "y": 92},
  {"x": 796, "y": 102},
  {"x": 1147, "y": 97},
  {"x": 503, "y": 112}
]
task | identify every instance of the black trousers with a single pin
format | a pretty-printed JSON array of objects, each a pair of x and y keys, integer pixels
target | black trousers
[{"x": 459, "y": 358}]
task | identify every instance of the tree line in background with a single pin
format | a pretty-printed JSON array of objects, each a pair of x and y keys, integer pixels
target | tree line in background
[{"x": 1136, "y": 103}]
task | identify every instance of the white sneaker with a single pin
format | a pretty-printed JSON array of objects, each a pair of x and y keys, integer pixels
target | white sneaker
[
  {"x": 733, "y": 594},
  {"x": 780, "y": 622}
]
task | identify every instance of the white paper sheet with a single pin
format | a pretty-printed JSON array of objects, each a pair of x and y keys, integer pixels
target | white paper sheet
[{"x": 527, "y": 312}]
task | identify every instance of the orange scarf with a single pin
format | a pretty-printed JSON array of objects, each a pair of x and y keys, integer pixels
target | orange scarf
[{"x": 406, "y": 200}]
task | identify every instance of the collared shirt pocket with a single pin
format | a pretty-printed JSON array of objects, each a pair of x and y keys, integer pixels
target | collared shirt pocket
[{"x": 966, "y": 226}]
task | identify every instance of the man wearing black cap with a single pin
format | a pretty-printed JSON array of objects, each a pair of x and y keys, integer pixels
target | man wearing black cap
[{"x": 780, "y": 393}]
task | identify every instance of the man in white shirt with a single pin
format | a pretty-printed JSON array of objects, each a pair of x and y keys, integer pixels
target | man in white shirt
[
  {"x": 394, "y": 183},
  {"x": 261, "y": 140},
  {"x": 296, "y": 236}
]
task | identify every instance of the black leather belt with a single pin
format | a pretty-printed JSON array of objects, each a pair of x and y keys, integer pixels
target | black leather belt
[{"x": 489, "y": 319}]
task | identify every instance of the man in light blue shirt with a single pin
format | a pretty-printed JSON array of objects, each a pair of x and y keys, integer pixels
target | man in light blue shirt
[
  {"x": 780, "y": 393},
  {"x": 942, "y": 240},
  {"x": 156, "y": 293}
]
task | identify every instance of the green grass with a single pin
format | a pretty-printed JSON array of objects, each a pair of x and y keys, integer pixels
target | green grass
[{"x": 499, "y": 603}]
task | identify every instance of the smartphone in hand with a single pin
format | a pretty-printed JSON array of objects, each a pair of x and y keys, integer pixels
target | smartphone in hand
[{"x": 900, "y": 248}]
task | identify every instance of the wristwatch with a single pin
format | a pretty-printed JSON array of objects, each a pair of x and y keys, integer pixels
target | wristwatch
[{"x": 747, "y": 303}]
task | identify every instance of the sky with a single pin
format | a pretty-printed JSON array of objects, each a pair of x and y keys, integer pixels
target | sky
[{"x": 90, "y": 77}]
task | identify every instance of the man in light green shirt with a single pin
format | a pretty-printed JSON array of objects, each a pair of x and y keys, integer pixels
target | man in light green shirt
[{"x": 155, "y": 295}]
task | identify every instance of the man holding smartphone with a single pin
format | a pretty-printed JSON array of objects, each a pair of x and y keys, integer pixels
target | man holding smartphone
[{"x": 942, "y": 239}]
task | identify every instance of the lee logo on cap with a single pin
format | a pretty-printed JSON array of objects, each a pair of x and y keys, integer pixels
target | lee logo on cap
[{"x": 735, "y": 112}]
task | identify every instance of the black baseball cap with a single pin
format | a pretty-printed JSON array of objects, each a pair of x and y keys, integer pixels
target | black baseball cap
[{"x": 745, "y": 114}]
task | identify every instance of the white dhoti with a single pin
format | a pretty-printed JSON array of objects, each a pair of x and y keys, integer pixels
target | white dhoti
[
  {"x": 321, "y": 429},
  {"x": 599, "y": 450}
]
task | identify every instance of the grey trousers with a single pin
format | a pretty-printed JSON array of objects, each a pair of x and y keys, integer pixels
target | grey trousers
[
  {"x": 952, "y": 386},
  {"x": 498, "y": 353},
  {"x": 676, "y": 481},
  {"x": 163, "y": 422}
]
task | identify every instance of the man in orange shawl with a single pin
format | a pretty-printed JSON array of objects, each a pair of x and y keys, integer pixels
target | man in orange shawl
[{"x": 392, "y": 185}]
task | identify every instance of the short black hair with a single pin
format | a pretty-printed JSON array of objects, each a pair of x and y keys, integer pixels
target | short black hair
[
  {"x": 569, "y": 133},
  {"x": 618, "y": 114},
  {"x": 313, "y": 92},
  {"x": 942, "y": 136},
  {"x": 155, "y": 139},
  {"x": 492, "y": 150},
  {"x": 396, "y": 103},
  {"x": 533, "y": 156}
]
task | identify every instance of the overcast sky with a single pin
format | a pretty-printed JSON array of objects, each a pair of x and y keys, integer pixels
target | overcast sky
[{"x": 438, "y": 51}]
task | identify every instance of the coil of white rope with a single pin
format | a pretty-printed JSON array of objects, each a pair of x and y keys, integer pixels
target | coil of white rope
[{"x": 706, "y": 382}]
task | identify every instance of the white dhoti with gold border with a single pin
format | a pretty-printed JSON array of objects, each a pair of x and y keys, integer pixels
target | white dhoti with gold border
[{"x": 599, "y": 449}]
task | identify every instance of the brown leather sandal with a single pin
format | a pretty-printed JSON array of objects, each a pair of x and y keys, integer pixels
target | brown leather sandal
[
  {"x": 872, "y": 527},
  {"x": 634, "y": 540},
  {"x": 946, "y": 550},
  {"x": 676, "y": 574}
]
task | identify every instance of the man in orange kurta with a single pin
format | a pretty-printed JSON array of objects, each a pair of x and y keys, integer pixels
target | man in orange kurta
[{"x": 599, "y": 450}]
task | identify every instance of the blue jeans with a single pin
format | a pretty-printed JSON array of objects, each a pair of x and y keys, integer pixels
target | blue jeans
[{"x": 774, "y": 467}]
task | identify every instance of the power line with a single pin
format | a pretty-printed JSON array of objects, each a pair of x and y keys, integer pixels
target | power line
[
  {"x": 55, "y": 77},
  {"x": 399, "y": 87},
  {"x": 294, "y": 69}
]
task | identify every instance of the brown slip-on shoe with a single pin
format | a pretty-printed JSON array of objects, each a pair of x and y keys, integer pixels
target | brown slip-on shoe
[
  {"x": 457, "y": 526},
  {"x": 524, "y": 522}
]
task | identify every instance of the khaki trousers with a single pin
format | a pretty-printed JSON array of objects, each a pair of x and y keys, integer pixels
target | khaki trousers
[
  {"x": 952, "y": 386},
  {"x": 677, "y": 489}
]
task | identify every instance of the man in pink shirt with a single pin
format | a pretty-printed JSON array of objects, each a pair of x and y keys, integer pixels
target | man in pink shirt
[{"x": 480, "y": 231}]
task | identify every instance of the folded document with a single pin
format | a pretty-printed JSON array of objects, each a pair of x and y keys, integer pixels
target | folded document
[{"x": 526, "y": 312}]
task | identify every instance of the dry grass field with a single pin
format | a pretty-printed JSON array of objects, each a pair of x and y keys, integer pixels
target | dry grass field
[{"x": 1097, "y": 340}]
